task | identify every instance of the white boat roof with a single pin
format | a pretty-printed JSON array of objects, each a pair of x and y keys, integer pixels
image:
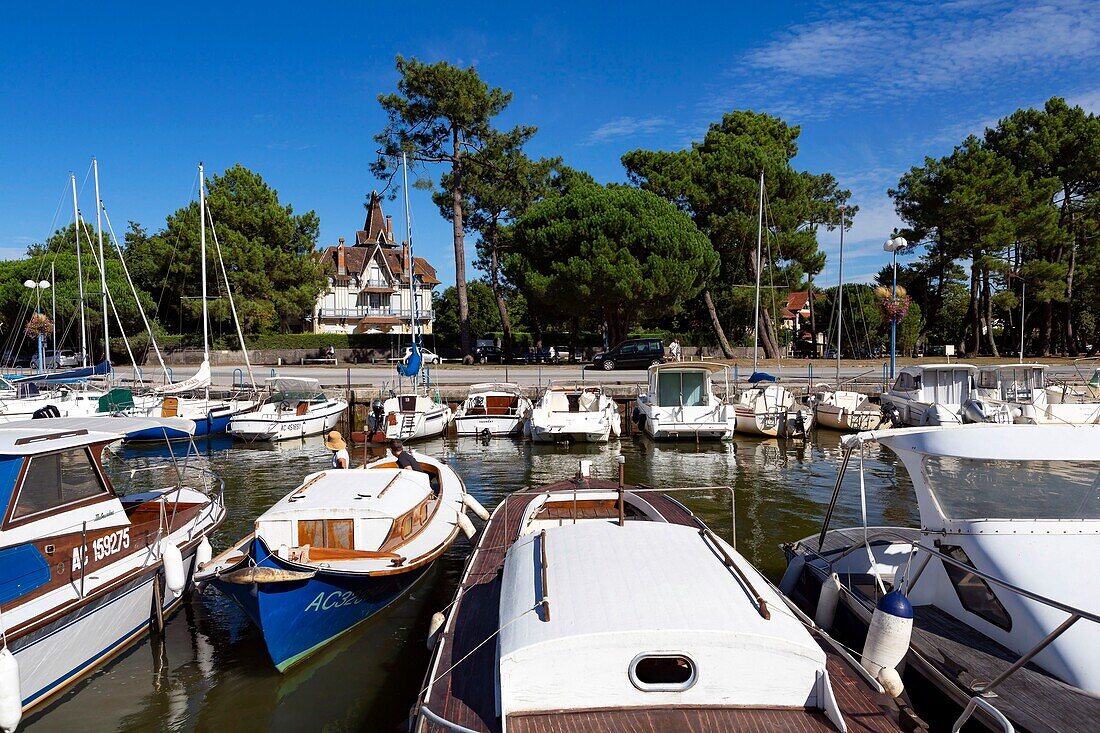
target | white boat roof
[
  {"x": 507, "y": 387},
  {"x": 690, "y": 366},
  {"x": 1008, "y": 367},
  {"x": 293, "y": 384},
  {"x": 986, "y": 441},
  {"x": 572, "y": 386},
  {"x": 917, "y": 368},
  {"x": 30, "y": 437},
  {"x": 375, "y": 492}
]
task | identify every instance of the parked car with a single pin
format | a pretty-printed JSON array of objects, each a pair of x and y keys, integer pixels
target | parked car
[
  {"x": 18, "y": 361},
  {"x": 63, "y": 359},
  {"x": 631, "y": 354},
  {"x": 537, "y": 356},
  {"x": 491, "y": 354},
  {"x": 562, "y": 355},
  {"x": 427, "y": 356}
]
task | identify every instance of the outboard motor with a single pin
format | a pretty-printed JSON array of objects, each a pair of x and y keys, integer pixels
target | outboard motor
[
  {"x": 44, "y": 412},
  {"x": 975, "y": 410},
  {"x": 377, "y": 416},
  {"x": 892, "y": 415}
]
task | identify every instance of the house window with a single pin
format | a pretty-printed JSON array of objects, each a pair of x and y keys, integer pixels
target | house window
[
  {"x": 57, "y": 479},
  {"x": 662, "y": 672},
  {"x": 974, "y": 594}
]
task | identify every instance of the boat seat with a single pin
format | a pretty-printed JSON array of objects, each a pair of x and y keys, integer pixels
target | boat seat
[
  {"x": 303, "y": 408},
  {"x": 170, "y": 407}
]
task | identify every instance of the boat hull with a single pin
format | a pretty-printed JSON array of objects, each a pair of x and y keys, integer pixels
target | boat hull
[
  {"x": 407, "y": 426},
  {"x": 494, "y": 424},
  {"x": 840, "y": 418},
  {"x": 253, "y": 427},
  {"x": 299, "y": 617},
  {"x": 774, "y": 424}
]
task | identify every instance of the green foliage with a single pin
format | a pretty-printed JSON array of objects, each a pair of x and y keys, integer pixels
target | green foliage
[
  {"x": 269, "y": 255},
  {"x": 613, "y": 250},
  {"x": 909, "y": 330},
  {"x": 484, "y": 317}
]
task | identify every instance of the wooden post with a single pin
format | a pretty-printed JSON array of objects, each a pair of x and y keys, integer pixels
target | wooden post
[{"x": 622, "y": 490}]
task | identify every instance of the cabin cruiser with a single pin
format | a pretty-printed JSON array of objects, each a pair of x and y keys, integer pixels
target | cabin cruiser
[
  {"x": 594, "y": 606},
  {"x": 85, "y": 570},
  {"x": 492, "y": 409},
  {"x": 579, "y": 413},
  {"x": 1020, "y": 393},
  {"x": 297, "y": 408},
  {"x": 410, "y": 416},
  {"x": 339, "y": 548},
  {"x": 846, "y": 410},
  {"x": 771, "y": 410},
  {"x": 1002, "y": 620},
  {"x": 928, "y": 394},
  {"x": 680, "y": 403}
]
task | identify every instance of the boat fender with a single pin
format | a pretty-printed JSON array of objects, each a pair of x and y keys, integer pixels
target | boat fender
[
  {"x": 475, "y": 506},
  {"x": 792, "y": 574},
  {"x": 466, "y": 526},
  {"x": 203, "y": 553},
  {"x": 827, "y": 602},
  {"x": 174, "y": 576},
  {"x": 616, "y": 422},
  {"x": 891, "y": 682},
  {"x": 438, "y": 619},
  {"x": 888, "y": 634},
  {"x": 11, "y": 700}
]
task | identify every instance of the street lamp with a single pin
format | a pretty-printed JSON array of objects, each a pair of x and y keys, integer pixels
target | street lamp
[
  {"x": 38, "y": 286},
  {"x": 893, "y": 245}
]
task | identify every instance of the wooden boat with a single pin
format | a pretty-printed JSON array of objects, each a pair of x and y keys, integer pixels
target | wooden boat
[
  {"x": 771, "y": 410},
  {"x": 928, "y": 394},
  {"x": 339, "y": 548},
  {"x": 680, "y": 403},
  {"x": 492, "y": 409},
  {"x": 576, "y": 413},
  {"x": 297, "y": 408},
  {"x": 593, "y": 606},
  {"x": 846, "y": 410},
  {"x": 1004, "y": 623},
  {"x": 85, "y": 571}
]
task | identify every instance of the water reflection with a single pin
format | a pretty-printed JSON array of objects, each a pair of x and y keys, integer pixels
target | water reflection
[{"x": 211, "y": 670}]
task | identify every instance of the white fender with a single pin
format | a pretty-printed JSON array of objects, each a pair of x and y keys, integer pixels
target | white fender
[
  {"x": 438, "y": 619},
  {"x": 889, "y": 633},
  {"x": 466, "y": 526},
  {"x": 11, "y": 700},
  {"x": 890, "y": 680},
  {"x": 792, "y": 574},
  {"x": 827, "y": 602},
  {"x": 473, "y": 505},
  {"x": 203, "y": 553},
  {"x": 616, "y": 420},
  {"x": 174, "y": 576}
]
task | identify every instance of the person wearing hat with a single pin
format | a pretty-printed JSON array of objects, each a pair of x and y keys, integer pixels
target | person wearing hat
[{"x": 335, "y": 443}]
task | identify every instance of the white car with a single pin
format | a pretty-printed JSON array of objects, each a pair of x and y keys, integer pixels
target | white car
[{"x": 427, "y": 356}]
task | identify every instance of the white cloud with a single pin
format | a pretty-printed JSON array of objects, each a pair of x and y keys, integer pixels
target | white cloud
[{"x": 625, "y": 127}]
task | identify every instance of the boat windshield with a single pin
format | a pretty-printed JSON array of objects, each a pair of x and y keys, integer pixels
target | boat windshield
[
  {"x": 297, "y": 396},
  {"x": 968, "y": 488},
  {"x": 686, "y": 389}
]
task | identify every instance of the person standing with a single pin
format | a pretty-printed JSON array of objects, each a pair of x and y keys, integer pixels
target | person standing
[
  {"x": 674, "y": 350},
  {"x": 335, "y": 443}
]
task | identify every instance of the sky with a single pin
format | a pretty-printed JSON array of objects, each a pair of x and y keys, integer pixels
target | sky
[{"x": 290, "y": 90}]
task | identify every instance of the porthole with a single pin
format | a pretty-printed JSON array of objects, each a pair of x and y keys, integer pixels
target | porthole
[{"x": 662, "y": 672}]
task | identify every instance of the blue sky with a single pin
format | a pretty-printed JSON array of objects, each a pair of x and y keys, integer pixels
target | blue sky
[{"x": 290, "y": 90}]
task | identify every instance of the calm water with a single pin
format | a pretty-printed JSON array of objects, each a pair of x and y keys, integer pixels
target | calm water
[{"x": 211, "y": 671}]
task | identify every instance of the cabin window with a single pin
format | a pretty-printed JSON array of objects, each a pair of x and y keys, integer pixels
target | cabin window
[
  {"x": 974, "y": 594},
  {"x": 676, "y": 389},
  {"x": 338, "y": 534},
  {"x": 56, "y": 479},
  {"x": 662, "y": 672},
  {"x": 971, "y": 488},
  {"x": 406, "y": 526}
]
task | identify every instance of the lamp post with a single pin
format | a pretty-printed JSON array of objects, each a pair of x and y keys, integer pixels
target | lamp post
[
  {"x": 893, "y": 245},
  {"x": 38, "y": 286}
]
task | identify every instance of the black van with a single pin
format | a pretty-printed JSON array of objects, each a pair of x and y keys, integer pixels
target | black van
[{"x": 632, "y": 354}]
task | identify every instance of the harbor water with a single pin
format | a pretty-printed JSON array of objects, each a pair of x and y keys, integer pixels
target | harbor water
[{"x": 210, "y": 671}]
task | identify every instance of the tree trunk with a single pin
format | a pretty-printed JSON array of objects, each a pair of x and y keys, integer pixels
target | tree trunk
[
  {"x": 1045, "y": 331},
  {"x": 813, "y": 320},
  {"x": 973, "y": 315},
  {"x": 989, "y": 314},
  {"x": 767, "y": 334},
  {"x": 1071, "y": 344},
  {"x": 724, "y": 343},
  {"x": 498, "y": 295},
  {"x": 460, "y": 246}
]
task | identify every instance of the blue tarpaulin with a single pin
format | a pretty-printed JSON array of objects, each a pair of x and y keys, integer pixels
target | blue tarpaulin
[{"x": 761, "y": 377}]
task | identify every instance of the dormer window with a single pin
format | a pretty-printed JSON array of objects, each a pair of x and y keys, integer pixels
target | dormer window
[{"x": 56, "y": 480}]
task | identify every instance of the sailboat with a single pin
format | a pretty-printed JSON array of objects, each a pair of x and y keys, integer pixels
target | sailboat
[
  {"x": 767, "y": 408},
  {"x": 844, "y": 409},
  {"x": 191, "y": 398},
  {"x": 411, "y": 415}
]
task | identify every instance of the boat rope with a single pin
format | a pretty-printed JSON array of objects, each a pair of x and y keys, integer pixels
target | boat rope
[
  {"x": 229, "y": 292},
  {"x": 467, "y": 655},
  {"x": 114, "y": 310}
]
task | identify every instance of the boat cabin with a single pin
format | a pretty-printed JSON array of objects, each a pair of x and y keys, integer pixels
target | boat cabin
[
  {"x": 679, "y": 384},
  {"x": 1011, "y": 382},
  {"x": 561, "y": 398},
  {"x": 493, "y": 399}
]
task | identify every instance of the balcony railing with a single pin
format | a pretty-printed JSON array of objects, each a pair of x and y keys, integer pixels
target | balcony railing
[
  {"x": 371, "y": 283},
  {"x": 368, "y": 312}
]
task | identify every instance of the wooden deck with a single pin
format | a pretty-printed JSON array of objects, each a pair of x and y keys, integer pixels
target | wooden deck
[
  {"x": 1033, "y": 700},
  {"x": 463, "y": 691}
]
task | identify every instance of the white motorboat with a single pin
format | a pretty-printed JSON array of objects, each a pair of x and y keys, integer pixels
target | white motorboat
[
  {"x": 85, "y": 571},
  {"x": 680, "y": 403},
  {"x": 339, "y": 548},
  {"x": 297, "y": 407},
  {"x": 492, "y": 409},
  {"x": 771, "y": 410},
  {"x": 411, "y": 416},
  {"x": 928, "y": 394},
  {"x": 846, "y": 410},
  {"x": 578, "y": 413},
  {"x": 1019, "y": 393},
  {"x": 1004, "y": 617},
  {"x": 595, "y": 607}
]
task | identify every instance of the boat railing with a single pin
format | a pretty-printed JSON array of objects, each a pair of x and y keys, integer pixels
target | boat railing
[{"x": 443, "y": 722}]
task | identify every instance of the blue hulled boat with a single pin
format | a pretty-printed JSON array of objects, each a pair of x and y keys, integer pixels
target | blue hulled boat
[{"x": 339, "y": 548}]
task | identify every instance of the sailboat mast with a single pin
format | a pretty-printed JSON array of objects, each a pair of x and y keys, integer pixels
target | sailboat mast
[
  {"x": 409, "y": 237},
  {"x": 840, "y": 299},
  {"x": 53, "y": 308},
  {"x": 102, "y": 265},
  {"x": 202, "y": 257},
  {"x": 759, "y": 241},
  {"x": 79, "y": 277}
]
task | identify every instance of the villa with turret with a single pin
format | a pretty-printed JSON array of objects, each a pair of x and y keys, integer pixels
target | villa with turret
[{"x": 368, "y": 283}]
